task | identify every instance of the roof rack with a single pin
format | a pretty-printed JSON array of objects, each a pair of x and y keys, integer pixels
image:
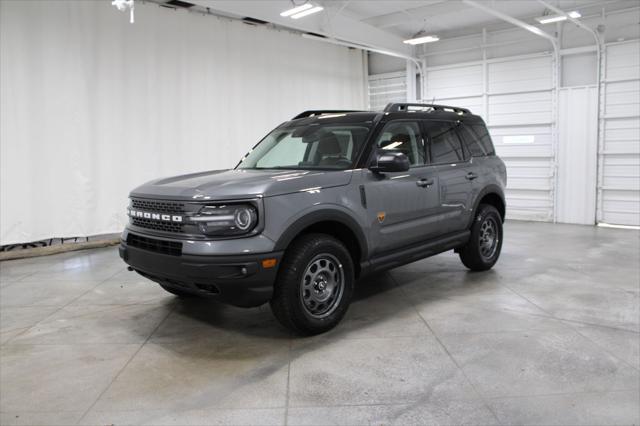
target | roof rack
[
  {"x": 408, "y": 107},
  {"x": 314, "y": 112}
]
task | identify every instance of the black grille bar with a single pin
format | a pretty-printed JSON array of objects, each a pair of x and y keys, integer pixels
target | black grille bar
[
  {"x": 171, "y": 248},
  {"x": 157, "y": 225},
  {"x": 157, "y": 206}
]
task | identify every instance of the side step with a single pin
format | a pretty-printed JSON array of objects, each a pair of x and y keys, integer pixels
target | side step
[{"x": 412, "y": 253}]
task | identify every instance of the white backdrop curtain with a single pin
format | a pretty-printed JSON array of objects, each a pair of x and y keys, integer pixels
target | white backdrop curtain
[{"x": 92, "y": 106}]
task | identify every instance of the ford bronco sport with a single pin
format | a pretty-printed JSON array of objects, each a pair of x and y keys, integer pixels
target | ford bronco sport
[{"x": 322, "y": 200}]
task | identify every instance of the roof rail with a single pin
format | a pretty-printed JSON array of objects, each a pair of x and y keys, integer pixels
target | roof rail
[
  {"x": 314, "y": 112},
  {"x": 406, "y": 107}
]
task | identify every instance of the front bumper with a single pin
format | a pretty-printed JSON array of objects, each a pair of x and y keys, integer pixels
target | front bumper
[{"x": 238, "y": 280}]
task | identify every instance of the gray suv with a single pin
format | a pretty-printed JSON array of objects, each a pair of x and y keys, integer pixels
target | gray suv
[{"x": 323, "y": 200}]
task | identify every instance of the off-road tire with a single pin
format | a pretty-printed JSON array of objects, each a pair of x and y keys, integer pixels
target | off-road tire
[
  {"x": 288, "y": 304},
  {"x": 476, "y": 255}
]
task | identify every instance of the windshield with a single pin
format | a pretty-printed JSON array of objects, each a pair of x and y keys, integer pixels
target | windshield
[{"x": 314, "y": 146}]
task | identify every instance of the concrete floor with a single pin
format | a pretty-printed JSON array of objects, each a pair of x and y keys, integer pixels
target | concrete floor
[{"x": 550, "y": 336}]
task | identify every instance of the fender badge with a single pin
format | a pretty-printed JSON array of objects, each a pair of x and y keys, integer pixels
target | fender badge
[{"x": 381, "y": 217}]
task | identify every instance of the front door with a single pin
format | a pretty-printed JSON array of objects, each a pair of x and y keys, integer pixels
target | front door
[{"x": 403, "y": 206}]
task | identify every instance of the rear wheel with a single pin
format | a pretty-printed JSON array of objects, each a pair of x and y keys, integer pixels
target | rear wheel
[
  {"x": 314, "y": 285},
  {"x": 483, "y": 249}
]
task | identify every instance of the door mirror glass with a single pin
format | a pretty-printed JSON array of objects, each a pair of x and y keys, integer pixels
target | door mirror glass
[{"x": 389, "y": 162}]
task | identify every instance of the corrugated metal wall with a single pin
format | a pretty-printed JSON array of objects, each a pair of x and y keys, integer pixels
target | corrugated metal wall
[
  {"x": 515, "y": 97},
  {"x": 619, "y": 153}
]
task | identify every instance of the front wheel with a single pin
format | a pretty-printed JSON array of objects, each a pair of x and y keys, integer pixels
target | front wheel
[
  {"x": 314, "y": 285},
  {"x": 483, "y": 249}
]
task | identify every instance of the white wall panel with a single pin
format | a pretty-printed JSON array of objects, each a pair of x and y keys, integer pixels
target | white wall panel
[
  {"x": 619, "y": 185},
  {"x": 527, "y": 150},
  {"x": 577, "y": 155},
  {"x": 93, "y": 106},
  {"x": 455, "y": 82},
  {"x": 520, "y": 108},
  {"x": 528, "y": 74},
  {"x": 387, "y": 88}
]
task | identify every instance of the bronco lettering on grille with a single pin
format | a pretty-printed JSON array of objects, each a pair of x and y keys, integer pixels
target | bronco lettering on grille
[{"x": 154, "y": 216}]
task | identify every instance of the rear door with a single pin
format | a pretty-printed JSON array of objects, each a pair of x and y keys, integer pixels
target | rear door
[
  {"x": 455, "y": 174},
  {"x": 402, "y": 206},
  {"x": 478, "y": 148}
]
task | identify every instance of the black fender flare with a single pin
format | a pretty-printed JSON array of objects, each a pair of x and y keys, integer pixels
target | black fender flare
[
  {"x": 489, "y": 189},
  {"x": 324, "y": 215}
]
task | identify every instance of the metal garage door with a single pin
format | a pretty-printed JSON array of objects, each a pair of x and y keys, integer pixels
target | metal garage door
[
  {"x": 515, "y": 97},
  {"x": 619, "y": 153},
  {"x": 386, "y": 88}
]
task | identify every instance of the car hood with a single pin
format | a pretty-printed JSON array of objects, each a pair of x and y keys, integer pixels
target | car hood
[{"x": 240, "y": 183}]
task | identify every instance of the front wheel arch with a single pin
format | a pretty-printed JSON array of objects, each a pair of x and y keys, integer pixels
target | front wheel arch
[{"x": 330, "y": 222}]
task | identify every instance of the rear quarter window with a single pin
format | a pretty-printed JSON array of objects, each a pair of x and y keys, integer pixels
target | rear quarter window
[{"x": 483, "y": 138}]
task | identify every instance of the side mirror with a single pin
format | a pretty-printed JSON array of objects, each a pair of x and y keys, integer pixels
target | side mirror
[{"x": 389, "y": 162}]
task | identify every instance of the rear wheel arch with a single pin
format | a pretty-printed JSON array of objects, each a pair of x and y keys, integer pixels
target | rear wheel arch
[{"x": 493, "y": 196}]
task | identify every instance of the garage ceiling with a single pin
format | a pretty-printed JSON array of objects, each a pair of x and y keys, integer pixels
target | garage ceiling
[{"x": 385, "y": 24}]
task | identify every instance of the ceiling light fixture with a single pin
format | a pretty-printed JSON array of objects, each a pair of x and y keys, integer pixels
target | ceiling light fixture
[
  {"x": 558, "y": 18},
  {"x": 296, "y": 9},
  {"x": 421, "y": 39},
  {"x": 307, "y": 12}
]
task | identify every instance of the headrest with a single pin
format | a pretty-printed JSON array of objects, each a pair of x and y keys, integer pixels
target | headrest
[{"x": 329, "y": 145}]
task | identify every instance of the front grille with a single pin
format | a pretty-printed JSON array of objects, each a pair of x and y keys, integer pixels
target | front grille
[
  {"x": 171, "y": 248},
  {"x": 157, "y": 206},
  {"x": 157, "y": 225}
]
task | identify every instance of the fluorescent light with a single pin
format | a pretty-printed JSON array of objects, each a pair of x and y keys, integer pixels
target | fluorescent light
[
  {"x": 420, "y": 40},
  {"x": 610, "y": 225},
  {"x": 551, "y": 19},
  {"x": 557, "y": 18},
  {"x": 307, "y": 12},
  {"x": 297, "y": 9}
]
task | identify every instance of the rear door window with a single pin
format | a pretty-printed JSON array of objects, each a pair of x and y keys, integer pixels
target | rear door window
[{"x": 444, "y": 144}]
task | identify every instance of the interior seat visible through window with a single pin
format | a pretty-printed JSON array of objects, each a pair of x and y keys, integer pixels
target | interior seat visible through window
[
  {"x": 329, "y": 150},
  {"x": 403, "y": 137}
]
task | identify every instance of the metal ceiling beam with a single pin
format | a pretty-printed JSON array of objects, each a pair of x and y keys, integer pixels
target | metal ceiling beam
[
  {"x": 329, "y": 23},
  {"x": 429, "y": 10},
  {"x": 518, "y": 23},
  {"x": 573, "y": 20}
]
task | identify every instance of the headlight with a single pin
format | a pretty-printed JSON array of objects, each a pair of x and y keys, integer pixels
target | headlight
[{"x": 229, "y": 219}]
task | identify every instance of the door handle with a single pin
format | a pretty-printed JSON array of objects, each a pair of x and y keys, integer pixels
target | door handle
[
  {"x": 424, "y": 183},
  {"x": 471, "y": 176}
]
